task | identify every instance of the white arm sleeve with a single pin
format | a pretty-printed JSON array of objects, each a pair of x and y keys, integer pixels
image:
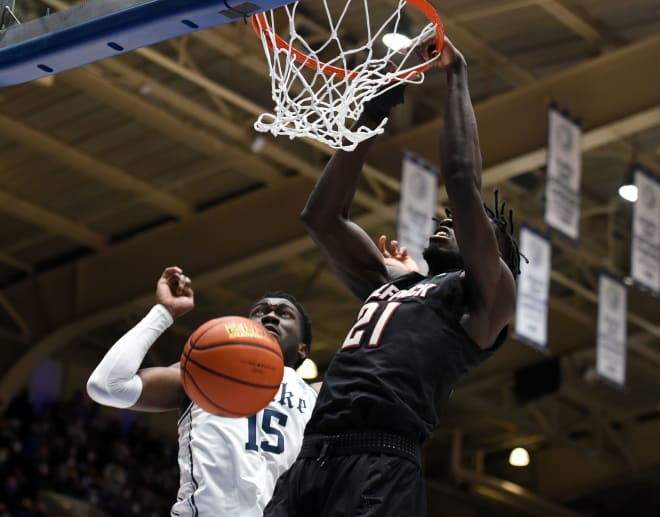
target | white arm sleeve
[{"x": 115, "y": 382}]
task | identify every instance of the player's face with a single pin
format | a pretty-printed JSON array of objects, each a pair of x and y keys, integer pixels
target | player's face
[
  {"x": 282, "y": 319},
  {"x": 442, "y": 252}
]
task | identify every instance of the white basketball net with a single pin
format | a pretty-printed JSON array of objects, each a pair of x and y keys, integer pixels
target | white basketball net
[{"x": 310, "y": 103}]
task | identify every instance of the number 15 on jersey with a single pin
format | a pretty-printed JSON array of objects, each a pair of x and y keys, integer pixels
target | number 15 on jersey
[{"x": 269, "y": 422}]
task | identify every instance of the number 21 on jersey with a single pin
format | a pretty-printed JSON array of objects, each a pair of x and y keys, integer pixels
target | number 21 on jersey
[{"x": 363, "y": 325}]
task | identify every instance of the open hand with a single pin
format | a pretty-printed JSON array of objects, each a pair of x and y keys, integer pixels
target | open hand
[
  {"x": 174, "y": 291},
  {"x": 395, "y": 256}
]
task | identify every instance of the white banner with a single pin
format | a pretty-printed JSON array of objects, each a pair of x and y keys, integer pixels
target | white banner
[
  {"x": 564, "y": 173},
  {"x": 418, "y": 205},
  {"x": 533, "y": 289},
  {"x": 611, "y": 344},
  {"x": 645, "y": 245}
]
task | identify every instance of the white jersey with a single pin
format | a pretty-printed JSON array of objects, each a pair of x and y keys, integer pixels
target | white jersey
[{"x": 229, "y": 466}]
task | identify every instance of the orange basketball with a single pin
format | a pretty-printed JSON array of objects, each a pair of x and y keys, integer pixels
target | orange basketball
[{"x": 231, "y": 366}]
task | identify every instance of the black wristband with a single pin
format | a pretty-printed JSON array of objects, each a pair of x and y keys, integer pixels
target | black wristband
[{"x": 379, "y": 107}]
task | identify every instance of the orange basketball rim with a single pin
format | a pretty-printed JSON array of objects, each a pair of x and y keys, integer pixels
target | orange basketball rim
[{"x": 262, "y": 29}]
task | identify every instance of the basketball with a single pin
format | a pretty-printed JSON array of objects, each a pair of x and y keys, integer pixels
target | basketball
[{"x": 231, "y": 366}]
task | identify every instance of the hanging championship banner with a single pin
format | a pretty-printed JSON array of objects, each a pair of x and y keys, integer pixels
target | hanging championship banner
[
  {"x": 645, "y": 245},
  {"x": 564, "y": 173},
  {"x": 533, "y": 289},
  {"x": 417, "y": 207},
  {"x": 611, "y": 344}
]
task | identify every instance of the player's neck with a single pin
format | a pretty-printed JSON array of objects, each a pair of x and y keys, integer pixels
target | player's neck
[
  {"x": 439, "y": 271},
  {"x": 444, "y": 264}
]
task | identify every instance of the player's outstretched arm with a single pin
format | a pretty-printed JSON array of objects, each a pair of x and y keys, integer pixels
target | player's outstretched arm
[
  {"x": 489, "y": 280},
  {"x": 116, "y": 381},
  {"x": 349, "y": 250}
]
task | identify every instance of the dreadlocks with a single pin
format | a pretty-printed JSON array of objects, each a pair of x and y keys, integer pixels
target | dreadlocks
[
  {"x": 505, "y": 239},
  {"x": 507, "y": 242}
]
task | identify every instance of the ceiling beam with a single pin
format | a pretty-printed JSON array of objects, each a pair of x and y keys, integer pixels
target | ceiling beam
[
  {"x": 592, "y": 296},
  {"x": 212, "y": 38},
  {"x": 175, "y": 100},
  {"x": 15, "y": 263},
  {"x": 89, "y": 166},
  {"x": 496, "y": 173},
  {"x": 201, "y": 81},
  {"x": 93, "y": 83},
  {"x": 600, "y": 91},
  {"x": 495, "y": 9},
  {"x": 571, "y": 17},
  {"x": 269, "y": 150},
  {"x": 214, "y": 89},
  {"x": 525, "y": 118},
  {"x": 485, "y": 54},
  {"x": 54, "y": 223},
  {"x": 24, "y": 333},
  {"x": 593, "y": 139},
  {"x": 473, "y": 46}
]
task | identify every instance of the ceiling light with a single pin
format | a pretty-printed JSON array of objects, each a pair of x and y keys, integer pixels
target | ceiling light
[
  {"x": 398, "y": 38},
  {"x": 519, "y": 457},
  {"x": 628, "y": 189},
  {"x": 396, "y": 41},
  {"x": 628, "y": 192},
  {"x": 308, "y": 369},
  {"x": 258, "y": 144}
]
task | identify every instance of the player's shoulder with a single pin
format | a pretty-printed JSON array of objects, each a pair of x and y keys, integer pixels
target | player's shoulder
[
  {"x": 410, "y": 278},
  {"x": 292, "y": 377}
]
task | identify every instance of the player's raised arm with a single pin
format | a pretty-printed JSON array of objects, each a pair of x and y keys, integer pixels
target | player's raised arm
[
  {"x": 489, "y": 281},
  {"x": 350, "y": 252},
  {"x": 116, "y": 381}
]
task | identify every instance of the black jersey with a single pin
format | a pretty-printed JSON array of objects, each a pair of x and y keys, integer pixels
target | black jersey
[{"x": 400, "y": 360}]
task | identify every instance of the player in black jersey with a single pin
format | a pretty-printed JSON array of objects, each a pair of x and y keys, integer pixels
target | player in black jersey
[{"x": 415, "y": 336}]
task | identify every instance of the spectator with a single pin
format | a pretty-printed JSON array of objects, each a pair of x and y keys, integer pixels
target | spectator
[{"x": 68, "y": 449}]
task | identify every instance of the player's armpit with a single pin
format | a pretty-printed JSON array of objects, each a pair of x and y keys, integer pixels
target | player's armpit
[
  {"x": 348, "y": 249},
  {"x": 350, "y": 253},
  {"x": 161, "y": 389},
  {"x": 483, "y": 322}
]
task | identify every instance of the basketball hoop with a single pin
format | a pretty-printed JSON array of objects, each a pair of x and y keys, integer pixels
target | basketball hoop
[{"x": 321, "y": 98}]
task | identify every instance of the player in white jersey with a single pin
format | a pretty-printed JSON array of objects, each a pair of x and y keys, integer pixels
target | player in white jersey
[
  {"x": 240, "y": 476},
  {"x": 228, "y": 466}
]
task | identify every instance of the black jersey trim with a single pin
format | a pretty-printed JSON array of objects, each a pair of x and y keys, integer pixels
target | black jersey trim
[
  {"x": 192, "y": 464},
  {"x": 405, "y": 279},
  {"x": 185, "y": 408}
]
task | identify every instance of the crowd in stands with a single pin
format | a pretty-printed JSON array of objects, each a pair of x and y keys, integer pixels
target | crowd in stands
[{"x": 68, "y": 448}]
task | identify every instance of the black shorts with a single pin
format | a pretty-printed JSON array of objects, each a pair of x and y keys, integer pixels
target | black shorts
[{"x": 371, "y": 484}]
